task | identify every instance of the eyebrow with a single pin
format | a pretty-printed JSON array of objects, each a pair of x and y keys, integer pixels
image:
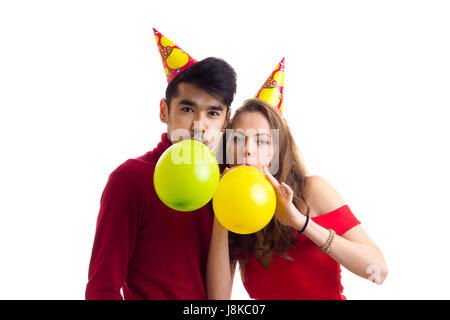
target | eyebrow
[
  {"x": 217, "y": 108},
  {"x": 190, "y": 103}
]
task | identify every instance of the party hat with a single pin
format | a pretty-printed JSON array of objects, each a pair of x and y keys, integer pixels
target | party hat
[
  {"x": 174, "y": 59},
  {"x": 272, "y": 90}
]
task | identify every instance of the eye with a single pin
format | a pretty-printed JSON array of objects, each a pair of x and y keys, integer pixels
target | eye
[
  {"x": 187, "y": 109},
  {"x": 238, "y": 139},
  {"x": 263, "y": 141},
  {"x": 214, "y": 113}
]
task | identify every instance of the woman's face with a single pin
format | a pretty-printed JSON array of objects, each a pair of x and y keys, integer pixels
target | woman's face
[{"x": 251, "y": 141}]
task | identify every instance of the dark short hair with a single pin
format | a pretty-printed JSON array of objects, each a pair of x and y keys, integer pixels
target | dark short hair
[{"x": 213, "y": 75}]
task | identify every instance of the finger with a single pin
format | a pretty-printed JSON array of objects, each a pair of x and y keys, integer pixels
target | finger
[
  {"x": 276, "y": 185},
  {"x": 271, "y": 179},
  {"x": 224, "y": 171},
  {"x": 284, "y": 192},
  {"x": 288, "y": 190}
]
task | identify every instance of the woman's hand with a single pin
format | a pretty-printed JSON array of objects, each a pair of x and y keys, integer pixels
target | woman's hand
[
  {"x": 285, "y": 211},
  {"x": 224, "y": 171}
]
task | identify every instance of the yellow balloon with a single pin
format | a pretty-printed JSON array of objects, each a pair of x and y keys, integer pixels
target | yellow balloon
[{"x": 245, "y": 200}]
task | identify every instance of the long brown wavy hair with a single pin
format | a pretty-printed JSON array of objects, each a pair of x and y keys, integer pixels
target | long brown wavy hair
[{"x": 277, "y": 236}]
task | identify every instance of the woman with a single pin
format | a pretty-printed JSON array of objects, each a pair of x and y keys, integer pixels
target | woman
[{"x": 299, "y": 253}]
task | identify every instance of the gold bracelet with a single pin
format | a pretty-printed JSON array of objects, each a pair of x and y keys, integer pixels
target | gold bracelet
[{"x": 325, "y": 248}]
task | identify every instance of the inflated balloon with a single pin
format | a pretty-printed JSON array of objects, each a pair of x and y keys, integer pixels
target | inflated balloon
[
  {"x": 186, "y": 176},
  {"x": 244, "y": 201}
]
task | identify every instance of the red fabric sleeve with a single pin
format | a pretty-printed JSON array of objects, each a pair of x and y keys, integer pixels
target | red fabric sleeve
[
  {"x": 341, "y": 220},
  {"x": 114, "y": 239}
]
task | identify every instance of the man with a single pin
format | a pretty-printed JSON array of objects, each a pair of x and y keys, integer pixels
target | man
[{"x": 142, "y": 246}]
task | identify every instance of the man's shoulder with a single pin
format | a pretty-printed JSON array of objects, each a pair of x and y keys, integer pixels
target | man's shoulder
[{"x": 137, "y": 169}]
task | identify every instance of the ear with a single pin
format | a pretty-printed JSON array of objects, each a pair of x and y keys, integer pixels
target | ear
[{"x": 163, "y": 111}]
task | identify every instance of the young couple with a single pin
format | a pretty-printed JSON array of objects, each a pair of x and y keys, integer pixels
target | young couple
[{"x": 149, "y": 251}]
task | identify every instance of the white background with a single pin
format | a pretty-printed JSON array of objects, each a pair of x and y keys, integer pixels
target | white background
[{"x": 366, "y": 95}]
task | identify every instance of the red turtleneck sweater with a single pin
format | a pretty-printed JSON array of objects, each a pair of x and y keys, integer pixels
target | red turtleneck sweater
[{"x": 143, "y": 246}]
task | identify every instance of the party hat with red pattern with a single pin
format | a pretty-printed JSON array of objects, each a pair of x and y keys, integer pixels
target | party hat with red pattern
[
  {"x": 272, "y": 90},
  {"x": 174, "y": 59}
]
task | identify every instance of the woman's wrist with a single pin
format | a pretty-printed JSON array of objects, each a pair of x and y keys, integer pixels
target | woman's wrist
[
  {"x": 305, "y": 225},
  {"x": 300, "y": 221}
]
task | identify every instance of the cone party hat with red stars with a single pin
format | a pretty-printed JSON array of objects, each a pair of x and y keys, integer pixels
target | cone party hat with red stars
[
  {"x": 174, "y": 59},
  {"x": 272, "y": 90}
]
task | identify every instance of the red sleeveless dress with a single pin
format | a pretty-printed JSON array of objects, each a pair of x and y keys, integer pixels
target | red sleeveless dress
[{"x": 312, "y": 275}]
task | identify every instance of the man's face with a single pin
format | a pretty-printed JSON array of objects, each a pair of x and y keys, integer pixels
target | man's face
[{"x": 194, "y": 114}]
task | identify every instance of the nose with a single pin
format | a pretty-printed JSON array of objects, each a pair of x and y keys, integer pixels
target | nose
[
  {"x": 198, "y": 128},
  {"x": 250, "y": 147}
]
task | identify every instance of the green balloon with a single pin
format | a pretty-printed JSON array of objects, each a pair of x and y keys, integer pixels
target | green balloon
[{"x": 186, "y": 175}]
